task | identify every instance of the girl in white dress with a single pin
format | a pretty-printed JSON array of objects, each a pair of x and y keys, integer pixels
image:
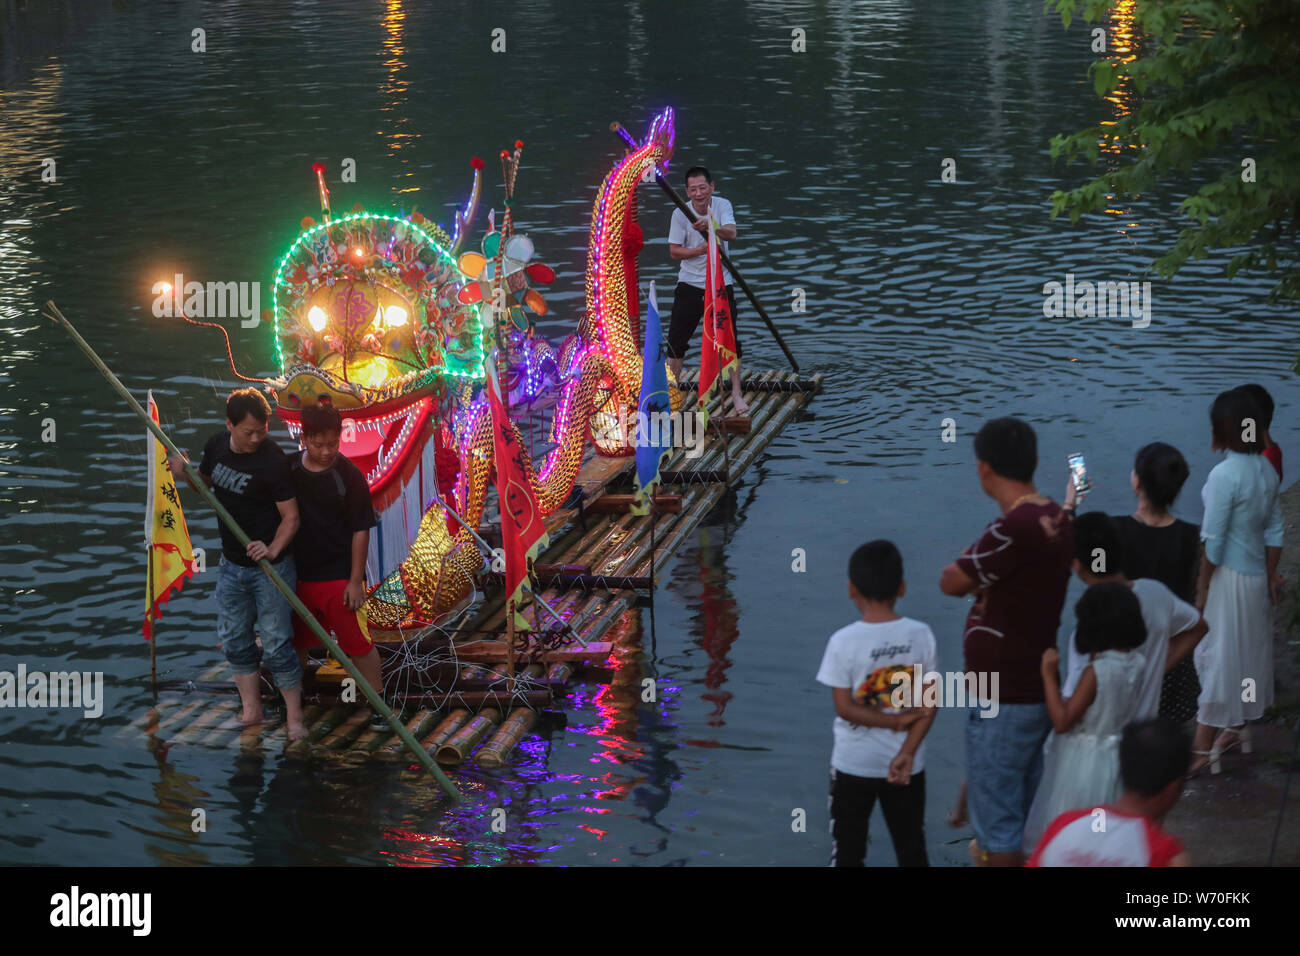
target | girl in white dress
[
  {"x": 1238, "y": 583},
  {"x": 1081, "y": 760}
]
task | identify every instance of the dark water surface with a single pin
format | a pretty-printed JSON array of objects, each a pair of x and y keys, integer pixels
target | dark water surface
[{"x": 924, "y": 303}]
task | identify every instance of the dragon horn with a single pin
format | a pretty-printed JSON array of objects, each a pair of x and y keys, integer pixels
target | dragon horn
[
  {"x": 319, "y": 170},
  {"x": 465, "y": 217}
]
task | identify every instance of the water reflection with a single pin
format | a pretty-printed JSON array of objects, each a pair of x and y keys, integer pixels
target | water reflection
[
  {"x": 400, "y": 132},
  {"x": 1123, "y": 40},
  {"x": 718, "y": 620},
  {"x": 176, "y": 794}
]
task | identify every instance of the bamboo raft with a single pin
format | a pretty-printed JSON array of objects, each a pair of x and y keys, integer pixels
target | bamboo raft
[{"x": 480, "y": 704}]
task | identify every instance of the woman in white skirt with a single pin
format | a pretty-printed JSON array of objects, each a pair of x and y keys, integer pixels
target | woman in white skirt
[{"x": 1238, "y": 583}]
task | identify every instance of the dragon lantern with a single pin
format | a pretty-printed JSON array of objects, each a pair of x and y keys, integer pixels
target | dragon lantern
[{"x": 378, "y": 315}]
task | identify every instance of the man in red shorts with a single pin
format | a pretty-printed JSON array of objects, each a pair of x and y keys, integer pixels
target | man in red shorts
[{"x": 331, "y": 545}]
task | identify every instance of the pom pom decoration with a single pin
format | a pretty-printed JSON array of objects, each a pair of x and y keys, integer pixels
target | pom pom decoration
[
  {"x": 318, "y": 167},
  {"x": 307, "y": 223},
  {"x": 476, "y": 163}
]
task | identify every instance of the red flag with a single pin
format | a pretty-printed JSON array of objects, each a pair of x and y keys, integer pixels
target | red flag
[
  {"x": 718, "y": 351},
  {"x": 523, "y": 533}
]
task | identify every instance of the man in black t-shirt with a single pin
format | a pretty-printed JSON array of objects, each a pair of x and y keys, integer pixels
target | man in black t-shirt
[
  {"x": 331, "y": 547},
  {"x": 250, "y": 476}
]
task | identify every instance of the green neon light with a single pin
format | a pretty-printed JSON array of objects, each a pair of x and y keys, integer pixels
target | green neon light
[{"x": 474, "y": 370}]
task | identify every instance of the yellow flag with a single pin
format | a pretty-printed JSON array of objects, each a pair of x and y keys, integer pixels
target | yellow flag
[{"x": 171, "y": 558}]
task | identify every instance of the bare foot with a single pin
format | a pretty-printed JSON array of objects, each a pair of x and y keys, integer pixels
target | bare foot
[
  {"x": 297, "y": 731},
  {"x": 742, "y": 409},
  {"x": 249, "y": 719}
]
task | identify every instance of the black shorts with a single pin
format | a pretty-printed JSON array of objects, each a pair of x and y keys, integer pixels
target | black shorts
[{"x": 688, "y": 309}]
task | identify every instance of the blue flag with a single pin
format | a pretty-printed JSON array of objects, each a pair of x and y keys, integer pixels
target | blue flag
[{"x": 652, "y": 429}]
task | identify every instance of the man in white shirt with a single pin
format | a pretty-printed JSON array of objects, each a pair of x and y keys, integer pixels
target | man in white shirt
[{"x": 688, "y": 242}]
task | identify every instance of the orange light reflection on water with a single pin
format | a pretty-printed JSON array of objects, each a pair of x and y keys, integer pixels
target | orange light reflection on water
[
  {"x": 395, "y": 88},
  {"x": 1122, "y": 40}
]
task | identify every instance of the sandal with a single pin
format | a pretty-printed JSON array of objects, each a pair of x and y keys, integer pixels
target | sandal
[
  {"x": 1197, "y": 767},
  {"x": 1233, "y": 737}
]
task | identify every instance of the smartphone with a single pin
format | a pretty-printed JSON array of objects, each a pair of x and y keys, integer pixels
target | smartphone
[{"x": 1079, "y": 473}]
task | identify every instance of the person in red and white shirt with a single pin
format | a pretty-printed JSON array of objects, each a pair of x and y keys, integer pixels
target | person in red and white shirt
[{"x": 1153, "y": 758}]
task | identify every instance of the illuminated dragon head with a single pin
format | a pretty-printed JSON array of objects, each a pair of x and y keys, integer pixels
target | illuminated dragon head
[{"x": 367, "y": 319}]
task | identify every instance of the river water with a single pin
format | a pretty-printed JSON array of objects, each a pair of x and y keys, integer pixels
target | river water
[{"x": 924, "y": 302}]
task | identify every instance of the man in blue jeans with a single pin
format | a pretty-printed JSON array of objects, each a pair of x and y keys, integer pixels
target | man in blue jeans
[
  {"x": 1018, "y": 571},
  {"x": 250, "y": 476}
]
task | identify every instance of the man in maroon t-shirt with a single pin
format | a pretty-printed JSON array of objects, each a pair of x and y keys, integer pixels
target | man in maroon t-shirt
[{"x": 1018, "y": 571}]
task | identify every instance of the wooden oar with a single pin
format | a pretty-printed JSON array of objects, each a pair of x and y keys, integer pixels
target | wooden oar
[
  {"x": 376, "y": 700},
  {"x": 691, "y": 217}
]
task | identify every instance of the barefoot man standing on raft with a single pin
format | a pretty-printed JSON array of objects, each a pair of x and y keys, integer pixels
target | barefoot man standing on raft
[
  {"x": 250, "y": 476},
  {"x": 689, "y": 242}
]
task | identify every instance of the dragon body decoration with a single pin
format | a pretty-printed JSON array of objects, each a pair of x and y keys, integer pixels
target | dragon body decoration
[{"x": 377, "y": 315}]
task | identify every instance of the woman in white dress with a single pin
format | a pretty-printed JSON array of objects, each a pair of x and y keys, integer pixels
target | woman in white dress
[
  {"x": 1081, "y": 760},
  {"x": 1238, "y": 583}
]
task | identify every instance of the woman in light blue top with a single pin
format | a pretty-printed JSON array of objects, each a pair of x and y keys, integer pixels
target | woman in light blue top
[{"x": 1238, "y": 584}]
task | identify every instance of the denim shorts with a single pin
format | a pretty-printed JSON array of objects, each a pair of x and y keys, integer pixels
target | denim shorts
[
  {"x": 248, "y": 601},
  {"x": 1004, "y": 762}
]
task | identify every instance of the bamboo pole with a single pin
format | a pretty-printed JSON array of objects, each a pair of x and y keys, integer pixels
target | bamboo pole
[
  {"x": 449, "y": 726},
  {"x": 203, "y": 724},
  {"x": 376, "y": 700},
  {"x": 228, "y": 736},
  {"x": 328, "y": 721},
  {"x": 507, "y": 737},
  {"x": 175, "y": 715},
  {"x": 510, "y": 647},
  {"x": 455, "y": 750},
  {"x": 418, "y": 725},
  {"x": 559, "y": 674},
  {"x": 153, "y": 624},
  {"x": 343, "y": 735}
]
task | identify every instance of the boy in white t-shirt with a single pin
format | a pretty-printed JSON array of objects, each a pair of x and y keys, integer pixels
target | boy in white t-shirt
[{"x": 879, "y": 747}]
